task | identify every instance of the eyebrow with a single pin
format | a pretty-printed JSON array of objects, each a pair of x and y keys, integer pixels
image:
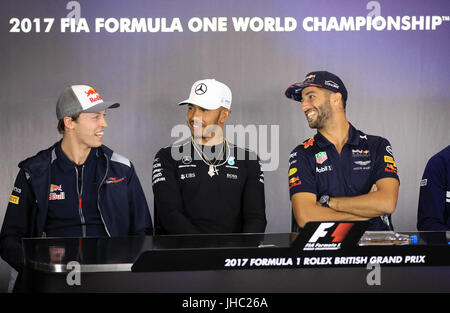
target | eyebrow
[
  {"x": 192, "y": 105},
  {"x": 309, "y": 92}
]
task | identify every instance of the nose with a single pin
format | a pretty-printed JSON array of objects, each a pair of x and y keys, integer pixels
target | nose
[
  {"x": 103, "y": 122},
  {"x": 196, "y": 121},
  {"x": 197, "y": 114},
  {"x": 305, "y": 105},
  {"x": 194, "y": 114}
]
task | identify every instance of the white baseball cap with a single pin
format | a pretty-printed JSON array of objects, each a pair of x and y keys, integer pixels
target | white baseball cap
[
  {"x": 81, "y": 98},
  {"x": 209, "y": 94}
]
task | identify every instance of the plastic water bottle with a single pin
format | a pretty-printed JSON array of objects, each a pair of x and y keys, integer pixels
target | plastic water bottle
[{"x": 386, "y": 238}]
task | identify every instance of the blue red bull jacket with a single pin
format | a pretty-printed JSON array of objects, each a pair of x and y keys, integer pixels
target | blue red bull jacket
[{"x": 123, "y": 207}]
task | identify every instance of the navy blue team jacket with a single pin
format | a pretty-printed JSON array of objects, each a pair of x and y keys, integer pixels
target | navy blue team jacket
[
  {"x": 316, "y": 167},
  {"x": 120, "y": 201},
  {"x": 434, "y": 197}
]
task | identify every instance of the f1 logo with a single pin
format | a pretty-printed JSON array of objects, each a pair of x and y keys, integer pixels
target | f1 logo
[
  {"x": 341, "y": 231},
  {"x": 338, "y": 235},
  {"x": 320, "y": 232},
  {"x": 330, "y": 235}
]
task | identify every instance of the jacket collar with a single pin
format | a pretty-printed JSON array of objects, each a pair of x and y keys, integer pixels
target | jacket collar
[
  {"x": 64, "y": 163},
  {"x": 353, "y": 138}
]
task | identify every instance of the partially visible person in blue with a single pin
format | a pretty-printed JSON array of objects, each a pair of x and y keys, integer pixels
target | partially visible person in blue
[
  {"x": 341, "y": 173},
  {"x": 434, "y": 198},
  {"x": 77, "y": 187}
]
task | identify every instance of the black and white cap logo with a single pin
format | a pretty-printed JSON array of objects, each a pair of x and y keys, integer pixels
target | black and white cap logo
[
  {"x": 200, "y": 89},
  {"x": 331, "y": 84}
]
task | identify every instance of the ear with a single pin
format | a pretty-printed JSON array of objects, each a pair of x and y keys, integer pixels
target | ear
[
  {"x": 68, "y": 123},
  {"x": 224, "y": 114},
  {"x": 336, "y": 99}
]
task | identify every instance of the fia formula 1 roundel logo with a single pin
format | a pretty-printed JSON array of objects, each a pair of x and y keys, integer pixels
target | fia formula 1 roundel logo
[{"x": 200, "y": 89}]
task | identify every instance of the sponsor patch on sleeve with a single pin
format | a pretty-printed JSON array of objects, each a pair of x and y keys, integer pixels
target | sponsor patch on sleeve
[
  {"x": 389, "y": 159},
  {"x": 292, "y": 171},
  {"x": 391, "y": 166},
  {"x": 308, "y": 143},
  {"x": 14, "y": 199},
  {"x": 294, "y": 181},
  {"x": 158, "y": 169}
]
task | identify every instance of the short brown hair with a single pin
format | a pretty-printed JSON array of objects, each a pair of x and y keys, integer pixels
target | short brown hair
[{"x": 61, "y": 123}]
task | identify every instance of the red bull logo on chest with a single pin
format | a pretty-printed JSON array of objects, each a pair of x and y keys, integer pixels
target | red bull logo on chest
[{"x": 56, "y": 196}]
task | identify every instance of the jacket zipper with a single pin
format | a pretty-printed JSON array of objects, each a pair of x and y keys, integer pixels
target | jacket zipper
[
  {"x": 80, "y": 202},
  {"x": 98, "y": 196}
]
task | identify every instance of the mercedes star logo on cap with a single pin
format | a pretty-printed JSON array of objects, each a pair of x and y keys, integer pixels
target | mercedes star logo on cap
[{"x": 200, "y": 89}]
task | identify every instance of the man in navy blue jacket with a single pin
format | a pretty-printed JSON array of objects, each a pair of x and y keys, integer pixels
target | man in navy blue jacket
[
  {"x": 341, "y": 173},
  {"x": 77, "y": 187},
  {"x": 434, "y": 197}
]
